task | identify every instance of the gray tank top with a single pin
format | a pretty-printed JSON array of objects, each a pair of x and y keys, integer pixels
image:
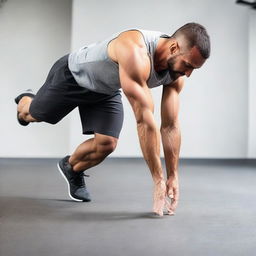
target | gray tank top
[{"x": 93, "y": 69}]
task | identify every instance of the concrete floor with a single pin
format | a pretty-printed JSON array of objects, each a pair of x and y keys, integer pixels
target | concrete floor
[{"x": 216, "y": 213}]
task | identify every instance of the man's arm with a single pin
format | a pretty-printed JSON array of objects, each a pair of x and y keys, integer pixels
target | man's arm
[
  {"x": 171, "y": 138},
  {"x": 134, "y": 68}
]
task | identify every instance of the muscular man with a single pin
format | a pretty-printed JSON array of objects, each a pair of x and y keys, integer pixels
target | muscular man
[{"x": 91, "y": 78}]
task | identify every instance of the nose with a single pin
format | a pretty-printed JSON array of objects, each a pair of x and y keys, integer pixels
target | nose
[{"x": 189, "y": 72}]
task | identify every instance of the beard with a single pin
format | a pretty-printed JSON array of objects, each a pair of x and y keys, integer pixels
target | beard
[{"x": 174, "y": 74}]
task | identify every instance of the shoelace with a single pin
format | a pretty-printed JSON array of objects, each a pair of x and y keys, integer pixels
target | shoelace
[{"x": 78, "y": 179}]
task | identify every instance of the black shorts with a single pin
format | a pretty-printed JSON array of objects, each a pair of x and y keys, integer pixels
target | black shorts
[{"x": 60, "y": 94}]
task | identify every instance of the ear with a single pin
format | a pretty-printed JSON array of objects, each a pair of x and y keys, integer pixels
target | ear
[{"x": 174, "y": 47}]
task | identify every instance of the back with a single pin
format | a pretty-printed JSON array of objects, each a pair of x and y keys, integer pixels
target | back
[{"x": 93, "y": 69}]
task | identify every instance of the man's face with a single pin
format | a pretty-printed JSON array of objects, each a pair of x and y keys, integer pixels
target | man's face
[{"x": 183, "y": 64}]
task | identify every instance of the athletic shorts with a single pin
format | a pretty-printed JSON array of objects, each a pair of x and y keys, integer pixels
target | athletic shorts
[{"x": 60, "y": 94}]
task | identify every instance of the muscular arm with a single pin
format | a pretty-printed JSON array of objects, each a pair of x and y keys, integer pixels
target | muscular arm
[
  {"x": 149, "y": 135},
  {"x": 171, "y": 137},
  {"x": 170, "y": 129},
  {"x": 134, "y": 68}
]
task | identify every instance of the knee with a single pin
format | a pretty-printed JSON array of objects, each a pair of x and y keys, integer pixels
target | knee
[{"x": 107, "y": 145}]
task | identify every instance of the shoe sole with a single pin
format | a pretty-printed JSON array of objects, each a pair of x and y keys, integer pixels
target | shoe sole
[{"x": 63, "y": 175}]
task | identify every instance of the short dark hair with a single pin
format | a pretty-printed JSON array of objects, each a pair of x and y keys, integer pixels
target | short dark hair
[{"x": 195, "y": 35}]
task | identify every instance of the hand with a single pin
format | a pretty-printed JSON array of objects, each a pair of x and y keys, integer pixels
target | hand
[
  {"x": 159, "y": 197},
  {"x": 172, "y": 191}
]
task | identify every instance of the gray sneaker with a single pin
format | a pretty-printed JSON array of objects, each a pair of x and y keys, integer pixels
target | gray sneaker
[{"x": 75, "y": 180}]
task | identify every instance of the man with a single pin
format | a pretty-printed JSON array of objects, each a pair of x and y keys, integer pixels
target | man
[{"x": 91, "y": 78}]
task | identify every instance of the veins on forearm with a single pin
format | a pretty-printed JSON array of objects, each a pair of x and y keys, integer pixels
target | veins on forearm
[
  {"x": 171, "y": 140},
  {"x": 150, "y": 145}
]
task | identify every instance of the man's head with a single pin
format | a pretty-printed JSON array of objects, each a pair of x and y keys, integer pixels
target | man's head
[{"x": 188, "y": 49}]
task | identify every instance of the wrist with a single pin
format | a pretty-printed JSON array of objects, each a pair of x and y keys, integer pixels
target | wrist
[
  {"x": 158, "y": 179},
  {"x": 172, "y": 175}
]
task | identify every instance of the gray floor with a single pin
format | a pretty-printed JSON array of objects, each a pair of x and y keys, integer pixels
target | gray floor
[{"x": 216, "y": 214}]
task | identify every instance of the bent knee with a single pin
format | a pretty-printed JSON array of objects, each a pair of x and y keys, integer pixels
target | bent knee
[{"x": 106, "y": 144}]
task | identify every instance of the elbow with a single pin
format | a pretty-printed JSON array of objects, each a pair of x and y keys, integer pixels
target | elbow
[
  {"x": 146, "y": 124},
  {"x": 146, "y": 120}
]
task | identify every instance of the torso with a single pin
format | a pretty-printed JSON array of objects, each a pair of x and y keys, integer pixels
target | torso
[{"x": 102, "y": 75}]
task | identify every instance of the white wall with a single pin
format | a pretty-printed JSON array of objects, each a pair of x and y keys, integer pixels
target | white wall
[
  {"x": 33, "y": 34},
  {"x": 217, "y": 115},
  {"x": 214, "y": 103},
  {"x": 252, "y": 86}
]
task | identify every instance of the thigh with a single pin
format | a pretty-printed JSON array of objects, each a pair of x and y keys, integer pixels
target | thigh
[
  {"x": 55, "y": 100},
  {"x": 105, "y": 117}
]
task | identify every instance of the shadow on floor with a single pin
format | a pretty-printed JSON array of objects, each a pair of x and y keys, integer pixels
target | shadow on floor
[{"x": 29, "y": 209}]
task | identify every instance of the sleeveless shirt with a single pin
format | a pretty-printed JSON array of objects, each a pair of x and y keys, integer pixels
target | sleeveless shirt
[{"x": 93, "y": 69}]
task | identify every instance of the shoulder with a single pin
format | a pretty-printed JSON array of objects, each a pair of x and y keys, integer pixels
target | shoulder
[
  {"x": 131, "y": 40},
  {"x": 131, "y": 54}
]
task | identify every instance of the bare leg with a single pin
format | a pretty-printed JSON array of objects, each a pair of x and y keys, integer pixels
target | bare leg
[
  {"x": 92, "y": 152},
  {"x": 23, "y": 109}
]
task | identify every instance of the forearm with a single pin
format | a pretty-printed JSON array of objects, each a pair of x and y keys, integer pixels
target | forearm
[
  {"x": 171, "y": 139},
  {"x": 149, "y": 137}
]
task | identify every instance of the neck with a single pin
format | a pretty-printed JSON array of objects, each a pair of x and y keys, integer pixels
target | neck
[{"x": 162, "y": 49}]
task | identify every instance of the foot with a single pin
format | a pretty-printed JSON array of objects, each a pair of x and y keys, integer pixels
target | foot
[
  {"x": 27, "y": 93},
  {"x": 75, "y": 180}
]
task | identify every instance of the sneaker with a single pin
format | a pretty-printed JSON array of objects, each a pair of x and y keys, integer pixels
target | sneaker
[
  {"x": 28, "y": 93},
  {"x": 75, "y": 180}
]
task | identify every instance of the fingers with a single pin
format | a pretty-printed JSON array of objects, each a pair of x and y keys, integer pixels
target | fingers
[
  {"x": 159, "y": 206},
  {"x": 173, "y": 205},
  {"x": 170, "y": 194},
  {"x": 173, "y": 194},
  {"x": 159, "y": 198},
  {"x": 162, "y": 201},
  {"x": 159, "y": 213},
  {"x": 158, "y": 209},
  {"x": 168, "y": 207}
]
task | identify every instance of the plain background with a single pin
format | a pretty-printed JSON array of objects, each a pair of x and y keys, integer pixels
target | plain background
[{"x": 217, "y": 115}]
